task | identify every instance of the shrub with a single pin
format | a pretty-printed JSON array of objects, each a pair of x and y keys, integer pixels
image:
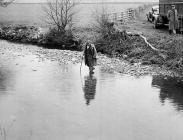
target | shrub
[{"x": 61, "y": 40}]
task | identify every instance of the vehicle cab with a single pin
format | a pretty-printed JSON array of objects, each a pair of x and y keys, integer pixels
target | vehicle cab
[{"x": 153, "y": 14}]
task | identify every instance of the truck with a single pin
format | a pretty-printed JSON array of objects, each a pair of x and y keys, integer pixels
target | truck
[{"x": 164, "y": 6}]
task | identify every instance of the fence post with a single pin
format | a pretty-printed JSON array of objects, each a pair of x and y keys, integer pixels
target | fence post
[{"x": 123, "y": 16}]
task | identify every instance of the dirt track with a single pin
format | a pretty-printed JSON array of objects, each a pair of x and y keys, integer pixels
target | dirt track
[{"x": 141, "y": 25}]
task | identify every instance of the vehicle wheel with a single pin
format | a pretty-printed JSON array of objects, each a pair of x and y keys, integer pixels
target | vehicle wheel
[{"x": 155, "y": 22}]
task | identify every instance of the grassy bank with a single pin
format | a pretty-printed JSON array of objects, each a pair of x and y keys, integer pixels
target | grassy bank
[{"x": 134, "y": 49}]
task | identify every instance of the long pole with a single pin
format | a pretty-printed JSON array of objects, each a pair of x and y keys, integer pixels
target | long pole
[{"x": 81, "y": 73}]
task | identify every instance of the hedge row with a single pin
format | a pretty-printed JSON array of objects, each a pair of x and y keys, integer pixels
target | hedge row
[{"x": 34, "y": 35}]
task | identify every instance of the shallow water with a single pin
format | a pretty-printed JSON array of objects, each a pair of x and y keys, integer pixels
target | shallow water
[{"x": 42, "y": 100}]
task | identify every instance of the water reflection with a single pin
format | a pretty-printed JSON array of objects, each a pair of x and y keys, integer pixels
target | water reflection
[
  {"x": 89, "y": 88},
  {"x": 5, "y": 76},
  {"x": 2, "y": 81},
  {"x": 171, "y": 89}
]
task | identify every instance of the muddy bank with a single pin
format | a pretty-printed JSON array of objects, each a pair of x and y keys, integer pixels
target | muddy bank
[{"x": 108, "y": 64}]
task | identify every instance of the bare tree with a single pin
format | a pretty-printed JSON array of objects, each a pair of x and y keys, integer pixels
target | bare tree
[
  {"x": 5, "y": 3},
  {"x": 59, "y": 13}
]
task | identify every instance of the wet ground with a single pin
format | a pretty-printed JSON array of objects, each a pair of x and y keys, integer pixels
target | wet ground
[{"x": 43, "y": 99}]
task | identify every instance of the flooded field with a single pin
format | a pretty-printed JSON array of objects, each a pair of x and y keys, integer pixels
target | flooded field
[
  {"x": 33, "y": 14},
  {"x": 41, "y": 99}
]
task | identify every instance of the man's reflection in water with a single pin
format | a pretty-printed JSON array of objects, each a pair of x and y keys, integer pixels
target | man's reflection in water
[
  {"x": 90, "y": 88},
  {"x": 5, "y": 75},
  {"x": 171, "y": 89}
]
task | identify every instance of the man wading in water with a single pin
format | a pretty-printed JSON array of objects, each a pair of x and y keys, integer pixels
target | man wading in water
[{"x": 90, "y": 56}]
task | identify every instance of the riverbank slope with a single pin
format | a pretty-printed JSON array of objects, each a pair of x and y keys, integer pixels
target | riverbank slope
[{"x": 106, "y": 63}]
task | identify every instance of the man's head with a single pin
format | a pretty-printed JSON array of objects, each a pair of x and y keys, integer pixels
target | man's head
[
  {"x": 173, "y": 6},
  {"x": 88, "y": 42}
]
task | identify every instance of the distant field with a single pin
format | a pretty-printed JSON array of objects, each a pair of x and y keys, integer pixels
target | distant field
[{"x": 33, "y": 14}]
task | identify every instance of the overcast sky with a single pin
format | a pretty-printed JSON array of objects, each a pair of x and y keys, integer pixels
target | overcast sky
[{"x": 39, "y": 1}]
